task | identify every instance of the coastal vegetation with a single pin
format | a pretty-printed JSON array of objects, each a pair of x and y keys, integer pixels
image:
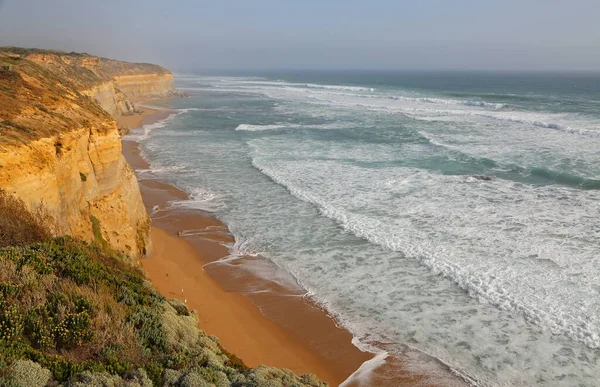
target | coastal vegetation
[{"x": 74, "y": 313}]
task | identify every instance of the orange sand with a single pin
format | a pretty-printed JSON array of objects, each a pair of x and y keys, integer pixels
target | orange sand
[
  {"x": 148, "y": 115},
  {"x": 175, "y": 266}
]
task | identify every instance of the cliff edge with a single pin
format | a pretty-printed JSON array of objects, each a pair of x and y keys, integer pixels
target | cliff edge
[{"x": 60, "y": 147}]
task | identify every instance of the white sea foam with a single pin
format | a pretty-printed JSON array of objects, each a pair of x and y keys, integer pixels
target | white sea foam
[
  {"x": 337, "y": 87},
  {"x": 200, "y": 199},
  {"x": 316, "y": 187},
  {"x": 143, "y": 133},
  {"x": 363, "y": 374},
  {"x": 330, "y": 94},
  {"x": 351, "y": 91},
  {"x": 528, "y": 119},
  {"x": 443, "y": 101},
  {"x": 260, "y": 128},
  {"x": 254, "y": 83}
]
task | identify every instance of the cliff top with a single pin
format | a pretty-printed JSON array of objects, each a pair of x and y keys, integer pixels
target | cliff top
[
  {"x": 36, "y": 102},
  {"x": 42, "y": 91},
  {"x": 104, "y": 68}
]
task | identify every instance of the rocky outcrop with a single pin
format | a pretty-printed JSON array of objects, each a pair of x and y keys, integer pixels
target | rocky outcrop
[{"x": 60, "y": 147}]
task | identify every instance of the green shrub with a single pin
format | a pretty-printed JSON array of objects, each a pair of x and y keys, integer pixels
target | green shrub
[
  {"x": 193, "y": 379},
  {"x": 88, "y": 378},
  {"x": 141, "y": 377},
  {"x": 155, "y": 371},
  {"x": 211, "y": 375},
  {"x": 127, "y": 296},
  {"x": 11, "y": 322},
  {"x": 176, "y": 360},
  {"x": 148, "y": 326},
  {"x": 171, "y": 378},
  {"x": 26, "y": 373},
  {"x": 73, "y": 330},
  {"x": 7, "y": 383},
  {"x": 179, "y": 307},
  {"x": 83, "y": 176},
  {"x": 38, "y": 330}
]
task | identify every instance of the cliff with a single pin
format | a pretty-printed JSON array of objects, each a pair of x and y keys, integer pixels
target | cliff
[
  {"x": 113, "y": 84},
  {"x": 60, "y": 147}
]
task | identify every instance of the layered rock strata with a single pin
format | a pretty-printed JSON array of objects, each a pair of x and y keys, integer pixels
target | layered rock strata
[{"x": 59, "y": 144}]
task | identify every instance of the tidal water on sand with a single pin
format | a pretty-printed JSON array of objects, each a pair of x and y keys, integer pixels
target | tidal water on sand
[{"x": 453, "y": 214}]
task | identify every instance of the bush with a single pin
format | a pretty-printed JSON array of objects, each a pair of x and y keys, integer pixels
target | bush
[
  {"x": 26, "y": 373},
  {"x": 215, "y": 377},
  {"x": 149, "y": 328},
  {"x": 18, "y": 226},
  {"x": 182, "y": 332},
  {"x": 127, "y": 296},
  {"x": 7, "y": 383},
  {"x": 171, "y": 378},
  {"x": 11, "y": 322},
  {"x": 137, "y": 378},
  {"x": 179, "y": 307}
]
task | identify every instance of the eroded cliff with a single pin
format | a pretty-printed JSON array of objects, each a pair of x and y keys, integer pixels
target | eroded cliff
[
  {"x": 114, "y": 85},
  {"x": 60, "y": 147}
]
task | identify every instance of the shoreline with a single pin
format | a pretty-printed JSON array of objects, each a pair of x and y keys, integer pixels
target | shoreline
[
  {"x": 178, "y": 263},
  {"x": 281, "y": 327}
]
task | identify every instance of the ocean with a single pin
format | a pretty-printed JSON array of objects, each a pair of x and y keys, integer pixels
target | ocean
[{"x": 455, "y": 215}]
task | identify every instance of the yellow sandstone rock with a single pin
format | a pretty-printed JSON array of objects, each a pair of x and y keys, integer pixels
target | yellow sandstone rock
[{"x": 60, "y": 147}]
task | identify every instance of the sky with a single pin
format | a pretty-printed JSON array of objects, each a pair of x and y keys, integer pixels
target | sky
[{"x": 309, "y": 34}]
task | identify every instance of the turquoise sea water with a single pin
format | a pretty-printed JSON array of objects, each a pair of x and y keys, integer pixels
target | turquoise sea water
[{"x": 453, "y": 214}]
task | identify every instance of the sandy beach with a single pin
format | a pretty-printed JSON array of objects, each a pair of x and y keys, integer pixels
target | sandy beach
[
  {"x": 276, "y": 326},
  {"x": 310, "y": 342}
]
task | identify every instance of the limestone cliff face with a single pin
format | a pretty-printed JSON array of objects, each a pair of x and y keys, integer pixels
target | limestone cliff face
[
  {"x": 114, "y": 85},
  {"x": 81, "y": 178},
  {"x": 139, "y": 86},
  {"x": 112, "y": 100},
  {"x": 60, "y": 147}
]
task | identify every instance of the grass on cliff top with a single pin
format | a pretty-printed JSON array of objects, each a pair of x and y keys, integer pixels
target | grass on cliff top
[
  {"x": 37, "y": 102},
  {"x": 74, "y": 314},
  {"x": 41, "y": 94},
  {"x": 104, "y": 68}
]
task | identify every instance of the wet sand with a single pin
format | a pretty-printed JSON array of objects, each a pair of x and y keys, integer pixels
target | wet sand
[{"x": 257, "y": 319}]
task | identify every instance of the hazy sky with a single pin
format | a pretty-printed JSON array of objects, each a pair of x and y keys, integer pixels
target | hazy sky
[{"x": 374, "y": 34}]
